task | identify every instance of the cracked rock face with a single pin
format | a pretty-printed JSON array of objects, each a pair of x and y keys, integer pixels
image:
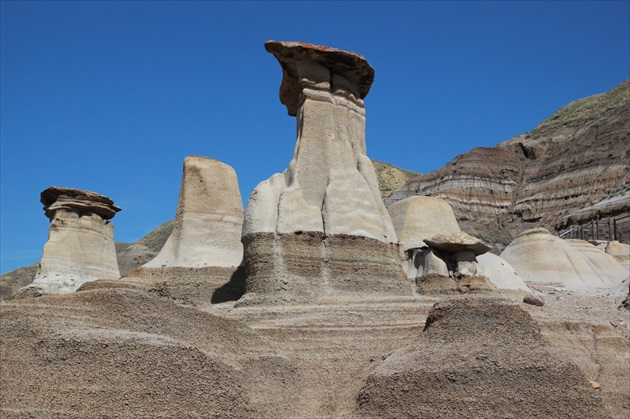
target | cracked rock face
[
  {"x": 330, "y": 188},
  {"x": 80, "y": 246},
  {"x": 209, "y": 218}
]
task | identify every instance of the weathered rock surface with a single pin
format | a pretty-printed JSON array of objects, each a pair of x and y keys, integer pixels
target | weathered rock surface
[
  {"x": 199, "y": 262},
  {"x": 539, "y": 257},
  {"x": 300, "y": 225},
  {"x": 571, "y": 169},
  {"x": 419, "y": 218},
  {"x": 77, "y": 200},
  {"x": 434, "y": 247},
  {"x": 353, "y": 69},
  {"x": 478, "y": 358},
  {"x": 80, "y": 244},
  {"x": 455, "y": 242},
  {"x": 500, "y": 273},
  {"x": 122, "y": 352},
  {"x": 619, "y": 251},
  {"x": 209, "y": 218}
]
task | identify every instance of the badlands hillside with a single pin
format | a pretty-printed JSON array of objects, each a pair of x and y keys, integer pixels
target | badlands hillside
[
  {"x": 571, "y": 169},
  {"x": 315, "y": 300}
]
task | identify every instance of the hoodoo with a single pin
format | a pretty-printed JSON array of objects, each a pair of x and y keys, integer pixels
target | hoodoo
[
  {"x": 80, "y": 246},
  {"x": 320, "y": 228},
  {"x": 200, "y": 260},
  {"x": 209, "y": 218}
]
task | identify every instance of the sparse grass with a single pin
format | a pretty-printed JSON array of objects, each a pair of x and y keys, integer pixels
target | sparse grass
[
  {"x": 391, "y": 177},
  {"x": 584, "y": 112},
  {"x": 155, "y": 240}
]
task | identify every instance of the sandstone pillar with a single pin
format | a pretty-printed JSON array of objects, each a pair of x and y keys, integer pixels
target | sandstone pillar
[
  {"x": 320, "y": 229},
  {"x": 209, "y": 218},
  {"x": 80, "y": 246},
  {"x": 200, "y": 261}
]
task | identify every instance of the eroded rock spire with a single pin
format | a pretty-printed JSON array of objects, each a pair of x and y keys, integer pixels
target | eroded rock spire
[
  {"x": 320, "y": 228},
  {"x": 80, "y": 246}
]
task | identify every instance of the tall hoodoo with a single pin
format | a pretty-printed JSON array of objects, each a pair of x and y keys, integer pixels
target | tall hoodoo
[
  {"x": 305, "y": 228},
  {"x": 209, "y": 218},
  {"x": 80, "y": 246}
]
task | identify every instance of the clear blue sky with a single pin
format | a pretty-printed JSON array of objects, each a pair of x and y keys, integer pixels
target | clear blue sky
[{"x": 111, "y": 96}]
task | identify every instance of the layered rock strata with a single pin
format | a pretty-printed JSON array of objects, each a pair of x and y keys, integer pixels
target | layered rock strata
[
  {"x": 452, "y": 370},
  {"x": 320, "y": 228},
  {"x": 204, "y": 250},
  {"x": 540, "y": 257},
  {"x": 571, "y": 169},
  {"x": 80, "y": 244}
]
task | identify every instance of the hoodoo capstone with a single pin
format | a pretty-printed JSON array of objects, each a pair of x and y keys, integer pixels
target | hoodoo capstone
[
  {"x": 320, "y": 228},
  {"x": 80, "y": 246}
]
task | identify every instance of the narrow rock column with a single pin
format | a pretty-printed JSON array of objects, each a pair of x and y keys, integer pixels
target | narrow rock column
[
  {"x": 320, "y": 229},
  {"x": 209, "y": 218},
  {"x": 80, "y": 246}
]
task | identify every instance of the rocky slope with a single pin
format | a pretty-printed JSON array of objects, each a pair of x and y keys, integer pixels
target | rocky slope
[
  {"x": 127, "y": 353},
  {"x": 391, "y": 177},
  {"x": 571, "y": 169}
]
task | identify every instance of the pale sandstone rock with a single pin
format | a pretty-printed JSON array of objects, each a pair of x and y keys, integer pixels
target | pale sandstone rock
[
  {"x": 434, "y": 245},
  {"x": 540, "y": 257},
  {"x": 458, "y": 241},
  {"x": 330, "y": 185},
  {"x": 607, "y": 267},
  {"x": 433, "y": 265},
  {"x": 80, "y": 246},
  {"x": 208, "y": 221},
  {"x": 620, "y": 251},
  {"x": 418, "y": 218},
  {"x": 500, "y": 273},
  {"x": 466, "y": 263},
  {"x": 328, "y": 197}
]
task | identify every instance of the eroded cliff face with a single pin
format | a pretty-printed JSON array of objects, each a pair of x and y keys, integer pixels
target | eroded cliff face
[{"x": 571, "y": 169}]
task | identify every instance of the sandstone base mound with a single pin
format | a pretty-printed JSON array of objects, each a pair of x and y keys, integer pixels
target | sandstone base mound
[
  {"x": 478, "y": 357},
  {"x": 309, "y": 266},
  {"x": 122, "y": 353}
]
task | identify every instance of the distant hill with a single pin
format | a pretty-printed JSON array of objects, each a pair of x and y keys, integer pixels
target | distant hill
[
  {"x": 391, "y": 177},
  {"x": 571, "y": 169}
]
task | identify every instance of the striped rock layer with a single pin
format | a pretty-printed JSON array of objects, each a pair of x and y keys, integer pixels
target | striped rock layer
[{"x": 572, "y": 168}]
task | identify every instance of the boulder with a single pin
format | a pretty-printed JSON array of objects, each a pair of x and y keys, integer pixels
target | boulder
[
  {"x": 539, "y": 257},
  {"x": 458, "y": 241},
  {"x": 500, "y": 273},
  {"x": 80, "y": 246},
  {"x": 419, "y": 218},
  {"x": 320, "y": 228},
  {"x": 353, "y": 68}
]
